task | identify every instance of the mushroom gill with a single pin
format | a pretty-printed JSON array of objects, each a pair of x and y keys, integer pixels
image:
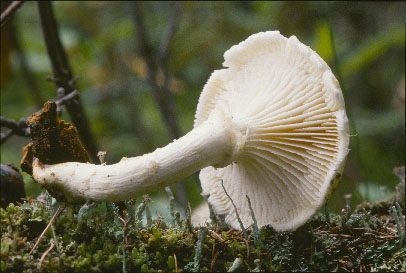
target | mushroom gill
[{"x": 289, "y": 102}]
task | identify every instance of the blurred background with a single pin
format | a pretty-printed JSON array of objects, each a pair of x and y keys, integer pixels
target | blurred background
[{"x": 120, "y": 80}]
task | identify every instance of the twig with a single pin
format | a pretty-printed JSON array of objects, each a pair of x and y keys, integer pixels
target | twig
[
  {"x": 387, "y": 237},
  {"x": 340, "y": 235},
  {"x": 66, "y": 100},
  {"x": 176, "y": 262},
  {"x": 45, "y": 254},
  {"x": 16, "y": 128},
  {"x": 21, "y": 128},
  {"x": 169, "y": 33},
  {"x": 6, "y": 135},
  {"x": 166, "y": 41},
  {"x": 213, "y": 261},
  {"x": 47, "y": 227},
  {"x": 213, "y": 253},
  {"x": 63, "y": 77},
  {"x": 216, "y": 236},
  {"x": 6, "y": 14},
  {"x": 29, "y": 200}
]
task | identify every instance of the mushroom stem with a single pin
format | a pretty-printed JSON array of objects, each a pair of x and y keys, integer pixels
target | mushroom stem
[{"x": 213, "y": 143}]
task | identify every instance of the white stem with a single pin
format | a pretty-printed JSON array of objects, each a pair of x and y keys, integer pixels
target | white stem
[{"x": 214, "y": 143}]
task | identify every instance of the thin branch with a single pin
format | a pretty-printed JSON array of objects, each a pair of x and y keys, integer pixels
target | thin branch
[
  {"x": 162, "y": 96},
  {"x": 60, "y": 64},
  {"x": 6, "y": 135},
  {"x": 18, "y": 128},
  {"x": 63, "y": 77},
  {"x": 67, "y": 99},
  {"x": 165, "y": 44},
  {"x": 9, "y": 11},
  {"x": 176, "y": 262},
  {"x": 45, "y": 230},
  {"x": 169, "y": 33},
  {"x": 21, "y": 128},
  {"x": 45, "y": 254}
]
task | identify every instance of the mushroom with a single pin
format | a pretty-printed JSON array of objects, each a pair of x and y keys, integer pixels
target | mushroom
[{"x": 271, "y": 126}]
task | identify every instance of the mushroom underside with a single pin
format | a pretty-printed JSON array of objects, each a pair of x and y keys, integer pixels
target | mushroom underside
[{"x": 291, "y": 106}]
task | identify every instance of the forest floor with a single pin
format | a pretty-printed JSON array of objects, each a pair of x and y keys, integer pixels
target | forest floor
[{"x": 45, "y": 236}]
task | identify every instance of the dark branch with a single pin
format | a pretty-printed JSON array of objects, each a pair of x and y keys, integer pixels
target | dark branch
[
  {"x": 16, "y": 128},
  {"x": 63, "y": 77},
  {"x": 162, "y": 95},
  {"x": 74, "y": 95},
  {"x": 20, "y": 128},
  {"x": 169, "y": 33},
  {"x": 166, "y": 41},
  {"x": 60, "y": 65},
  {"x": 6, "y": 135},
  {"x": 9, "y": 11},
  {"x": 14, "y": 125}
]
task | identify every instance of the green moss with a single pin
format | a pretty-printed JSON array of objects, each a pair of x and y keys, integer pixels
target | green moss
[
  {"x": 144, "y": 268},
  {"x": 171, "y": 262},
  {"x": 106, "y": 239},
  {"x": 3, "y": 266},
  {"x": 112, "y": 262}
]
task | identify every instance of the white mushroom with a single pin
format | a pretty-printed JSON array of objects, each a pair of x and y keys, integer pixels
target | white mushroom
[{"x": 271, "y": 126}]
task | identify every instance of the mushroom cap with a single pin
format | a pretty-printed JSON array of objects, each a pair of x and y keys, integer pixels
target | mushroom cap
[{"x": 289, "y": 106}]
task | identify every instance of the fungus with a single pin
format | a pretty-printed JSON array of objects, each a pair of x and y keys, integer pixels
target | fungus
[{"x": 271, "y": 125}]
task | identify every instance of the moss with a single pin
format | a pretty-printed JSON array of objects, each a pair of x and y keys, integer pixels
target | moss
[
  {"x": 102, "y": 238},
  {"x": 171, "y": 263}
]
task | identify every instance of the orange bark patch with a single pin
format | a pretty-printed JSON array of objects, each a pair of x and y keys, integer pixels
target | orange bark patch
[{"x": 53, "y": 140}]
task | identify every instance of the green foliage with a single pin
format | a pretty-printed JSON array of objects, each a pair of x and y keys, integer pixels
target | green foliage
[
  {"x": 322, "y": 41},
  {"x": 373, "y": 48}
]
